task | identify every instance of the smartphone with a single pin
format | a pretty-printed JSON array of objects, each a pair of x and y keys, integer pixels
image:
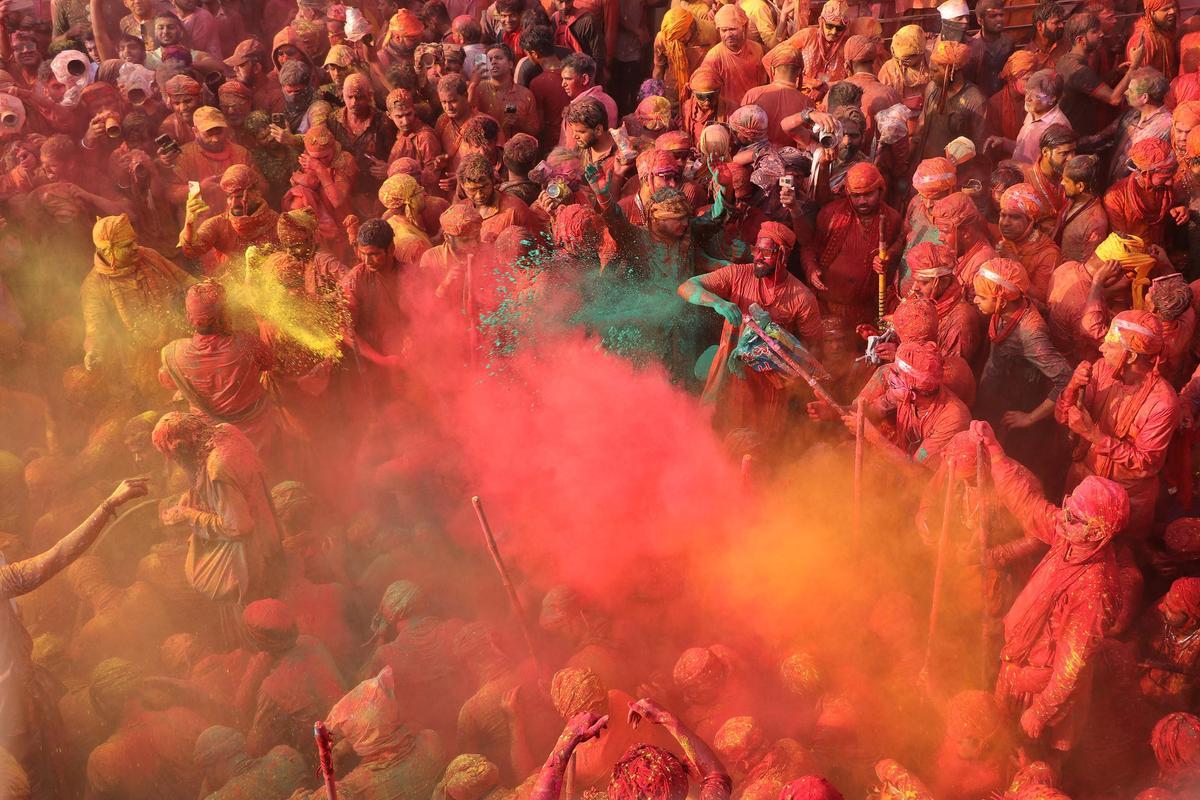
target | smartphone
[
  {"x": 278, "y": 120},
  {"x": 166, "y": 144}
]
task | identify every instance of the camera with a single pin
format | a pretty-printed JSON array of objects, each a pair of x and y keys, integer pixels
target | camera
[
  {"x": 76, "y": 67},
  {"x": 787, "y": 181},
  {"x": 166, "y": 144},
  {"x": 510, "y": 108},
  {"x": 112, "y": 127},
  {"x": 557, "y": 189},
  {"x": 9, "y": 119},
  {"x": 137, "y": 96},
  {"x": 278, "y": 120}
]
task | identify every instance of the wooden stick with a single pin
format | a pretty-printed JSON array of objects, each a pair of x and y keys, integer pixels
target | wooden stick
[
  {"x": 982, "y": 521},
  {"x": 939, "y": 568},
  {"x": 513, "y": 598},
  {"x": 747, "y": 464},
  {"x": 881, "y": 299},
  {"x": 325, "y": 759},
  {"x": 859, "y": 436}
]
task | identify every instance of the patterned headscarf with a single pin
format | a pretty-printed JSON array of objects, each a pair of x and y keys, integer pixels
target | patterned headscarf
[{"x": 677, "y": 26}]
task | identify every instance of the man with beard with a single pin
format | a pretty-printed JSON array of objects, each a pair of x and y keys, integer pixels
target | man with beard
[
  {"x": 185, "y": 96},
  {"x": 1055, "y": 145},
  {"x": 246, "y": 221},
  {"x": 845, "y": 258},
  {"x": 218, "y": 371},
  {"x": 754, "y": 400},
  {"x": 822, "y": 46},
  {"x": 962, "y": 228},
  {"x": 953, "y": 107},
  {"x": 1124, "y": 414},
  {"x": 206, "y": 158},
  {"x": 1139, "y": 204},
  {"x": 1047, "y": 44},
  {"x": 503, "y": 100},
  {"x": 414, "y": 138},
  {"x": 404, "y": 32},
  {"x": 297, "y": 233},
  {"x": 1054, "y": 629},
  {"x": 990, "y": 47},
  {"x": 300, "y": 110},
  {"x": 1154, "y": 33},
  {"x": 250, "y": 67},
  {"x": 498, "y": 210},
  {"x": 323, "y": 184},
  {"x": 234, "y": 540},
  {"x": 372, "y": 290},
  {"x": 1084, "y": 221},
  {"x": 735, "y": 60},
  {"x": 1021, "y": 209},
  {"x": 363, "y": 131},
  {"x": 1082, "y": 84}
]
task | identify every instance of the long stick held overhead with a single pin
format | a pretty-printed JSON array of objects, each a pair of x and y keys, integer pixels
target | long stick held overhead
[{"x": 513, "y": 598}]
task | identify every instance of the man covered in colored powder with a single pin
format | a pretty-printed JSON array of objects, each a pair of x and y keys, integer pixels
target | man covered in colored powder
[
  {"x": 754, "y": 400},
  {"x": 856, "y": 239},
  {"x": 218, "y": 370},
  {"x": 246, "y": 221},
  {"x": 1141, "y": 203},
  {"x": 1124, "y": 414},
  {"x": 1055, "y": 627}
]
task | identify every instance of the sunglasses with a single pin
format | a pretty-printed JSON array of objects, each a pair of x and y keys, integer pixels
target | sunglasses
[{"x": 705, "y": 95}]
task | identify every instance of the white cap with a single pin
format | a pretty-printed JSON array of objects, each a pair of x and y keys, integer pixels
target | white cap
[
  {"x": 953, "y": 9},
  {"x": 356, "y": 25}
]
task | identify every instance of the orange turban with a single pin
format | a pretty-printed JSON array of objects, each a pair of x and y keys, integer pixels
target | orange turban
[
  {"x": 934, "y": 175},
  {"x": 955, "y": 210},
  {"x": 778, "y": 233},
  {"x": 1186, "y": 114},
  {"x": 863, "y": 177},
  {"x": 1136, "y": 331},
  {"x": 1149, "y": 155},
  {"x": 952, "y": 54},
  {"x": 1022, "y": 198},
  {"x": 860, "y": 48},
  {"x": 1019, "y": 64},
  {"x": 1156, "y": 5},
  {"x": 921, "y": 365},
  {"x": 731, "y": 16},
  {"x": 1002, "y": 277},
  {"x": 405, "y": 23},
  {"x": 704, "y": 80},
  {"x": 241, "y": 178},
  {"x": 928, "y": 260},
  {"x": 1193, "y": 143}
]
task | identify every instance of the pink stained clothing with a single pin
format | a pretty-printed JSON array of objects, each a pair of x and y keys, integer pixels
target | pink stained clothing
[
  {"x": 202, "y": 33},
  {"x": 149, "y": 756},
  {"x": 1177, "y": 347},
  {"x": 756, "y": 402},
  {"x": 1039, "y": 254},
  {"x": 218, "y": 375},
  {"x": 1055, "y": 627},
  {"x": 737, "y": 73},
  {"x": 593, "y": 93},
  {"x": 1135, "y": 424},
  {"x": 1070, "y": 286},
  {"x": 845, "y": 247},
  {"x": 875, "y": 98},
  {"x": 961, "y": 328},
  {"x": 300, "y": 686},
  {"x": 1028, "y": 149}
]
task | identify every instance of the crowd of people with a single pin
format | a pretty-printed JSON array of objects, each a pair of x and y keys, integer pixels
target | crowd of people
[{"x": 255, "y": 255}]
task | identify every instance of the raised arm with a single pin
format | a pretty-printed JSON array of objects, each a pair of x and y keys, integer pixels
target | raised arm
[
  {"x": 25, "y": 576},
  {"x": 715, "y": 783},
  {"x": 582, "y": 727}
]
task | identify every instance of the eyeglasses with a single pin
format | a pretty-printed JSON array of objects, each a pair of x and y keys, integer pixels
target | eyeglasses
[{"x": 706, "y": 96}]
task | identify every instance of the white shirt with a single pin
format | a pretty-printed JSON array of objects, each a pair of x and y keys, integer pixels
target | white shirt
[{"x": 1028, "y": 148}]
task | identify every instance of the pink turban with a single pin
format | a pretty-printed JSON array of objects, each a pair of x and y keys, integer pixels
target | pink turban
[
  {"x": 1103, "y": 503},
  {"x": 929, "y": 260},
  {"x": 954, "y": 211},
  {"x": 935, "y": 175},
  {"x": 1022, "y": 198},
  {"x": 1137, "y": 331},
  {"x": 920, "y": 363},
  {"x": 456, "y": 219},
  {"x": 749, "y": 122},
  {"x": 1002, "y": 277}
]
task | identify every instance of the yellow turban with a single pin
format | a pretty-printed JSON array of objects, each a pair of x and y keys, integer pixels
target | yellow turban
[
  {"x": 677, "y": 26},
  {"x": 1130, "y": 251},
  {"x": 110, "y": 232},
  {"x": 908, "y": 41}
]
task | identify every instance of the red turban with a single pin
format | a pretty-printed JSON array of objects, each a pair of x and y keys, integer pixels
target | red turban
[
  {"x": 1103, "y": 503},
  {"x": 810, "y": 787},
  {"x": 1022, "y": 198},
  {"x": 577, "y": 225},
  {"x": 920, "y": 363},
  {"x": 1137, "y": 331},
  {"x": 456, "y": 219},
  {"x": 916, "y": 320},
  {"x": 1183, "y": 536},
  {"x": 934, "y": 175},
  {"x": 182, "y": 85},
  {"x": 241, "y": 178},
  {"x": 663, "y": 162},
  {"x": 270, "y": 624},
  {"x": 863, "y": 177},
  {"x": 1151, "y": 154},
  {"x": 205, "y": 303},
  {"x": 1002, "y": 277},
  {"x": 749, "y": 122},
  {"x": 1156, "y": 5},
  {"x": 1176, "y": 743},
  {"x": 928, "y": 260},
  {"x": 860, "y": 48},
  {"x": 648, "y": 771},
  {"x": 235, "y": 89},
  {"x": 673, "y": 140},
  {"x": 778, "y": 233},
  {"x": 954, "y": 211},
  {"x": 296, "y": 226},
  {"x": 1184, "y": 595},
  {"x": 698, "y": 667}
]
